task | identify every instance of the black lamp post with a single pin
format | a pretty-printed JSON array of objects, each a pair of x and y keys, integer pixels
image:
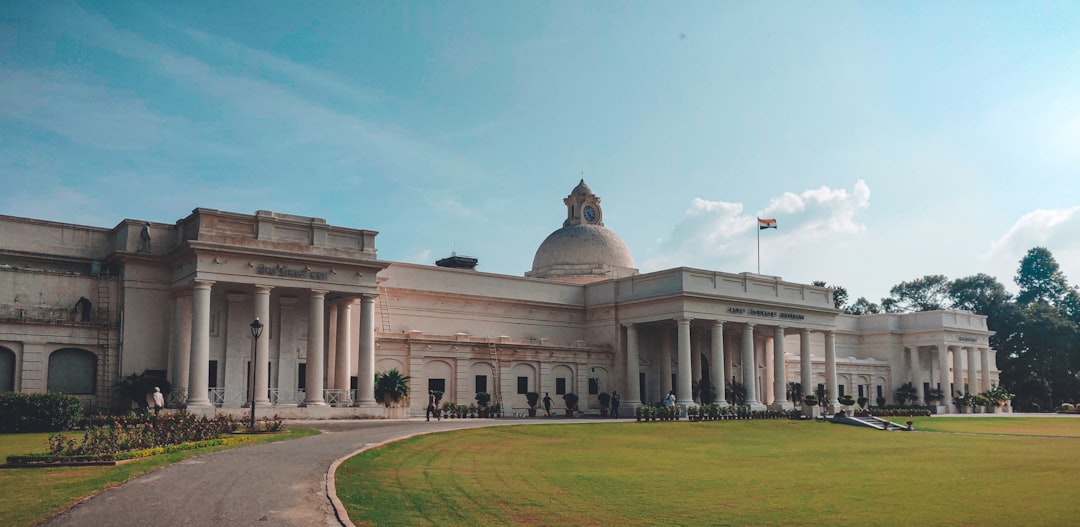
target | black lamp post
[{"x": 256, "y": 330}]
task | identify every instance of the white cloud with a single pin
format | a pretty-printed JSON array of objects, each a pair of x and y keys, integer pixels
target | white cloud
[
  {"x": 1056, "y": 229},
  {"x": 718, "y": 235},
  {"x": 83, "y": 113}
]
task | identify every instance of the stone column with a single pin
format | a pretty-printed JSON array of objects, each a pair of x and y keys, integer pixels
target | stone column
[
  {"x": 199, "y": 369},
  {"x": 342, "y": 366},
  {"x": 313, "y": 391},
  {"x": 365, "y": 368},
  {"x": 767, "y": 375},
  {"x": 957, "y": 372},
  {"x": 780, "y": 401},
  {"x": 943, "y": 376},
  {"x": 830, "y": 371},
  {"x": 633, "y": 385},
  {"x": 330, "y": 315},
  {"x": 262, "y": 346},
  {"x": 806, "y": 374},
  {"x": 665, "y": 361},
  {"x": 984, "y": 361},
  {"x": 685, "y": 390},
  {"x": 716, "y": 362},
  {"x": 972, "y": 371},
  {"x": 695, "y": 361},
  {"x": 749, "y": 368},
  {"x": 181, "y": 365}
]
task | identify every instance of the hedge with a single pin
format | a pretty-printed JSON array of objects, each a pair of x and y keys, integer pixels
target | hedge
[{"x": 38, "y": 412}]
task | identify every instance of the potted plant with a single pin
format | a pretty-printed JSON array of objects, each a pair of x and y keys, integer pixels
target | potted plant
[
  {"x": 846, "y": 401},
  {"x": 391, "y": 387},
  {"x": 571, "y": 400},
  {"x": 810, "y": 406},
  {"x": 605, "y": 400},
  {"x": 862, "y": 402},
  {"x": 880, "y": 401},
  {"x": 483, "y": 399},
  {"x": 934, "y": 396},
  {"x": 533, "y": 398},
  {"x": 907, "y": 393}
]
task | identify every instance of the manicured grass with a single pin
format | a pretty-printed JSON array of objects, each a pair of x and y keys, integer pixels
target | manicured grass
[
  {"x": 720, "y": 473},
  {"x": 1025, "y": 426},
  {"x": 32, "y": 494}
]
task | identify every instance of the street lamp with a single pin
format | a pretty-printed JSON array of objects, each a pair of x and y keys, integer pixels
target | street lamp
[{"x": 256, "y": 330}]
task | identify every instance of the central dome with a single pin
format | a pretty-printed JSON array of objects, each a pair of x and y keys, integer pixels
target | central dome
[{"x": 583, "y": 250}]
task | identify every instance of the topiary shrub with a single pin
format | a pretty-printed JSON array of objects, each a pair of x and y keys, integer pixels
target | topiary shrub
[{"x": 38, "y": 412}]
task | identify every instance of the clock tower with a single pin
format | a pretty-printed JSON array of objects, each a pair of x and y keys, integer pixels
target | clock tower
[
  {"x": 583, "y": 207},
  {"x": 583, "y": 250}
]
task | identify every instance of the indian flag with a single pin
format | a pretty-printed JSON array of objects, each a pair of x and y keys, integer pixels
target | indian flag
[{"x": 766, "y": 223}]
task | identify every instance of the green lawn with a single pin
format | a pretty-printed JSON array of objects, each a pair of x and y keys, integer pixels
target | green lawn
[
  {"x": 32, "y": 494},
  {"x": 719, "y": 473}
]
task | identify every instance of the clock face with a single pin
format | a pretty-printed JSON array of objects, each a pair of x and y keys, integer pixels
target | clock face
[{"x": 589, "y": 213}]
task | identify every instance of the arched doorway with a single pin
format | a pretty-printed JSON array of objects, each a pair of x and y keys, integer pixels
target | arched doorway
[
  {"x": 7, "y": 370},
  {"x": 72, "y": 371}
]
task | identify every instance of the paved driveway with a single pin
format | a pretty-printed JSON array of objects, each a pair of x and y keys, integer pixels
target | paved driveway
[{"x": 281, "y": 483}]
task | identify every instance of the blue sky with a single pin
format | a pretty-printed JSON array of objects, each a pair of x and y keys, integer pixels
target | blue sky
[{"x": 889, "y": 139}]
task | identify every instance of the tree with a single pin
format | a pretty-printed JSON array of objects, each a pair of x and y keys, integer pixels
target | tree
[
  {"x": 1041, "y": 363},
  {"x": 840, "y": 294},
  {"x": 980, "y": 293},
  {"x": 1040, "y": 279},
  {"x": 862, "y": 306},
  {"x": 928, "y": 293},
  {"x": 391, "y": 386}
]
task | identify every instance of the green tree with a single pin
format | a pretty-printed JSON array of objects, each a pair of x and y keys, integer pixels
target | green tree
[
  {"x": 928, "y": 293},
  {"x": 979, "y": 293},
  {"x": 1040, "y": 278},
  {"x": 862, "y": 306},
  {"x": 840, "y": 294}
]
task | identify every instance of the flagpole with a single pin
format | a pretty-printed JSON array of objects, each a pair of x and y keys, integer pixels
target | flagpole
[{"x": 759, "y": 246}]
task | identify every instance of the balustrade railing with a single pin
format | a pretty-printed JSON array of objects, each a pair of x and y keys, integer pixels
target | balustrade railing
[{"x": 338, "y": 397}]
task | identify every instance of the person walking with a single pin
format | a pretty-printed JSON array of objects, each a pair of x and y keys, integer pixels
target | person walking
[
  {"x": 615, "y": 404},
  {"x": 547, "y": 405},
  {"x": 159, "y": 400},
  {"x": 432, "y": 407}
]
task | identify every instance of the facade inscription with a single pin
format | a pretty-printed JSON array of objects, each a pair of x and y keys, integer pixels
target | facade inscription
[{"x": 291, "y": 272}]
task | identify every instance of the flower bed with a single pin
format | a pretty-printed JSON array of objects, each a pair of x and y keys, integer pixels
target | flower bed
[{"x": 52, "y": 460}]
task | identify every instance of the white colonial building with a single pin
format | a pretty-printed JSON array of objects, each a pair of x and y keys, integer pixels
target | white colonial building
[{"x": 81, "y": 307}]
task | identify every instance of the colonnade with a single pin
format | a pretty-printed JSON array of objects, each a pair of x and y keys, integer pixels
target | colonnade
[
  {"x": 970, "y": 366},
  {"x": 718, "y": 364},
  {"x": 191, "y": 359}
]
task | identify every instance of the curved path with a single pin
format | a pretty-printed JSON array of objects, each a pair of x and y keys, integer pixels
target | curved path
[{"x": 281, "y": 483}]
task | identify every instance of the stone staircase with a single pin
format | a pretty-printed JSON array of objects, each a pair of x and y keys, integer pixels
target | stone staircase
[{"x": 876, "y": 423}]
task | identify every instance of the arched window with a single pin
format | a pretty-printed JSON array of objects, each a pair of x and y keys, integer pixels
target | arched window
[
  {"x": 7, "y": 370},
  {"x": 72, "y": 371}
]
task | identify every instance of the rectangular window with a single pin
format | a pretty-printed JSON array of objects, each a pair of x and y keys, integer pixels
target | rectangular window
[
  {"x": 481, "y": 383},
  {"x": 523, "y": 385},
  {"x": 560, "y": 386},
  {"x": 438, "y": 385},
  {"x": 841, "y": 388},
  {"x": 925, "y": 389},
  {"x": 642, "y": 386},
  {"x": 880, "y": 391},
  {"x": 353, "y": 382},
  {"x": 211, "y": 379},
  {"x": 594, "y": 386},
  {"x": 301, "y": 376},
  {"x": 861, "y": 392}
]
